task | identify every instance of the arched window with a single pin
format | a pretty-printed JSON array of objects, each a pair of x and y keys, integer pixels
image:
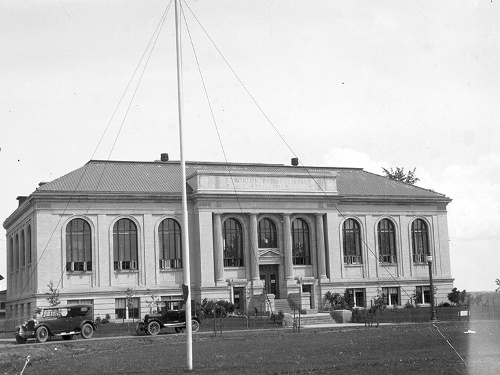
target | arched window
[
  {"x": 78, "y": 246},
  {"x": 267, "y": 234},
  {"x": 28, "y": 244},
  {"x": 170, "y": 240},
  {"x": 22, "y": 254},
  {"x": 420, "y": 241},
  {"x": 352, "y": 242},
  {"x": 386, "y": 241},
  {"x": 233, "y": 243},
  {"x": 125, "y": 245},
  {"x": 301, "y": 246}
]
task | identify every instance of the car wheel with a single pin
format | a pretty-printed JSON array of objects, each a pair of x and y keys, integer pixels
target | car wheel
[
  {"x": 195, "y": 326},
  {"x": 87, "y": 331},
  {"x": 140, "y": 329},
  {"x": 67, "y": 337},
  {"x": 21, "y": 340},
  {"x": 42, "y": 334},
  {"x": 154, "y": 328}
]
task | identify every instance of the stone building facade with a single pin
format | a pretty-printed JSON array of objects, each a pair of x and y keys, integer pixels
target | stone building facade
[{"x": 293, "y": 232}]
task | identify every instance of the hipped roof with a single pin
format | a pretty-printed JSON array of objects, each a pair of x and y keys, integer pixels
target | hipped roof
[{"x": 165, "y": 178}]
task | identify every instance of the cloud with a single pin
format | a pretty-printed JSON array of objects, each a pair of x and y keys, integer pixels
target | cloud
[
  {"x": 344, "y": 157},
  {"x": 474, "y": 188}
]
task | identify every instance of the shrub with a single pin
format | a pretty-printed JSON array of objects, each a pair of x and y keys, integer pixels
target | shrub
[
  {"x": 220, "y": 307},
  {"x": 379, "y": 302},
  {"x": 409, "y": 304},
  {"x": 338, "y": 301}
]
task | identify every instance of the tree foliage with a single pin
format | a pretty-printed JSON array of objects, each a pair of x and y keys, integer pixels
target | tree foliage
[
  {"x": 129, "y": 295},
  {"x": 458, "y": 297},
  {"x": 498, "y": 283},
  {"x": 220, "y": 307},
  {"x": 337, "y": 301},
  {"x": 399, "y": 174},
  {"x": 52, "y": 295}
]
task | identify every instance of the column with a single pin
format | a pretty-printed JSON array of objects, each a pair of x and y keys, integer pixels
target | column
[
  {"x": 287, "y": 247},
  {"x": 254, "y": 248},
  {"x": 218, "y": 250},
  {"x": 320, "y": 246}
]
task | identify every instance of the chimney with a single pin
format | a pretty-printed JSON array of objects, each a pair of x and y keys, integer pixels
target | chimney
[
  {"x": 295, "y": 161},
  {"x": 164, "y": 157},
  {"x": 21, "y": 199}
]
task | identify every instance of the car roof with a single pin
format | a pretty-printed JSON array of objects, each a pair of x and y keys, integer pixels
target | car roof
[{"x": 66, "y": 306}]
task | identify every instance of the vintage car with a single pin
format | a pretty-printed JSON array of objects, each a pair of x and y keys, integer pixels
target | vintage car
[
  {"x": 169, "y": 313},
  {"x": 58, "y": 321}
]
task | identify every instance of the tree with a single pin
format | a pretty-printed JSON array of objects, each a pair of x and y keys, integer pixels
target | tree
[
  {"x": 52, "y": 295},
  {"x": 153, "y": 302},
  {"x": 498, "y": 283},
  {"x": 129, "y": 293},
  {"x": 400, "y": 175},
  {"x": 458, "y": 297}
]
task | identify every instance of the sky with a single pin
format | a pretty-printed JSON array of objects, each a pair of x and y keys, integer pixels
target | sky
[{"x": 369, "y": 84}]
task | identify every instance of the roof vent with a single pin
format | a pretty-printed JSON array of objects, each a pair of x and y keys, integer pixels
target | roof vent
[
  {"x": 295, "y": 161},
  {"x": 164, "y": 157}
]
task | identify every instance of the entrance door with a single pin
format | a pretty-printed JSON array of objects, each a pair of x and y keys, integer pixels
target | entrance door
[{"x": 270, "y": 276}]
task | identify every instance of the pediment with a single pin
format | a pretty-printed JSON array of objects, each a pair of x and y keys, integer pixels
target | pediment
[{"x": 268, "y": 253}]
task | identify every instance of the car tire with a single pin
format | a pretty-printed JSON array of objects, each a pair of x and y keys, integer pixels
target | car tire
[
  {"x": 42, "y": 334},
  {"x": 21, "y": 340},
  {"x": 140, "y": 329},
  {"x": 87, "y": 331},
  {"x": 154, "y": 328},
  {"x": 67, "y": 337},
  {"x": 195, "y": 326}
]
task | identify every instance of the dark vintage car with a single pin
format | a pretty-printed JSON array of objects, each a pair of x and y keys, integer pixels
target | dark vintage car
[
  {"x": 58, "y": 321},
  {"x": 170, "y": 313}
]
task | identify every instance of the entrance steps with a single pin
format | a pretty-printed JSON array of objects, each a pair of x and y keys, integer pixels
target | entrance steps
[
  {"x": 316, "y": 319},
  {"x": 310, "y": 317},
  {"x": 284, "y": 306}
]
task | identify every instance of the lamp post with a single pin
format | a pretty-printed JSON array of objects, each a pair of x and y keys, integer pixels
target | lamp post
[{"x": 433, "y": 308}]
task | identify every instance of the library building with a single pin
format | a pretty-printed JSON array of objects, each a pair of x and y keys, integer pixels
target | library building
[{"x": 289, "y": 232}]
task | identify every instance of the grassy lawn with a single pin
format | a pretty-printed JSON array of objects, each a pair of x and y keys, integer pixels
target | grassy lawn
[{"x": 389, "y": 349}]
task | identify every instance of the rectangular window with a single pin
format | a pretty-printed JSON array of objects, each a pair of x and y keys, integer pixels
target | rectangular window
[
  {"x": 391, "y": 296},
  {"x": 78, "y": 266},
  {"x": 121, "y": 308},
  {"x": 125, "y": 265},
  {"x": 423, "y": 294},
  {"x": 166, "y": 264},
  {"x": 420, "y": 258},
  {"x": 358, "y": 296},
  {"x": 352, "y": 259}
]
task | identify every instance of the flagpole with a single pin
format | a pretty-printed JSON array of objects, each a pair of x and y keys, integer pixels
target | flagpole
[{"x": 185, "y": 232}]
